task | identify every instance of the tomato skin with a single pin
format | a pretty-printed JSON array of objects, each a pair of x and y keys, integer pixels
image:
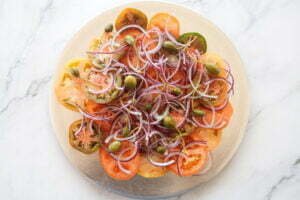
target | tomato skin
[
  {"x": 110, "y": 166},
  {"x": 196, "y": 159}
]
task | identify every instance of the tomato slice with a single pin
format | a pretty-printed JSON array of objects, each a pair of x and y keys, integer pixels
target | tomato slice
[
  {"x": 69, "y": 90},
  {"x": 86, "y": 141},
  {"x": 197, "y": 40},
  {"x": 131, "y": 16},
  {"x": 218, "y": 88},
  {"x": 94, "y": 108},
  {"x": 111, "y": 167},
  {"x": 217, "y": 61},
  {"x": 133, "y": 32},
  {"x": 212, "y": 137},
  {"x": 165, "y": 21},
  {"x": 148, "y": 170},
  {"x": 195, "y": 161},
  {"x": 222, "y": 117}
]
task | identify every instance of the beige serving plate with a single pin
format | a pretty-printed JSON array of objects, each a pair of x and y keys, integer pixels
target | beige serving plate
[{"x": 169, "y": 185}]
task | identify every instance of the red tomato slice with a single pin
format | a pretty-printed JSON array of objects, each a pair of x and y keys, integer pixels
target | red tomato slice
[
  {"x": 222, "y": 117},
  {"x": 110, "y": 165},
  {"x": 196, "y": 159}
]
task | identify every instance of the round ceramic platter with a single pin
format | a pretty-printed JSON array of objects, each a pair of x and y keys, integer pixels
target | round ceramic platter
[{"x": 168, "y": 185}]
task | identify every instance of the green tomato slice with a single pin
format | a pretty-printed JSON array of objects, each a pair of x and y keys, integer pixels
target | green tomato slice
[
  {"x": 108, "y": 96},
  {"x": 197, "y": 40},
  {"x": 86, "y": 141}
]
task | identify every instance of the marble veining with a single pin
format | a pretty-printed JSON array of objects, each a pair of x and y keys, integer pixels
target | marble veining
[{"x": 266, "y": 33}]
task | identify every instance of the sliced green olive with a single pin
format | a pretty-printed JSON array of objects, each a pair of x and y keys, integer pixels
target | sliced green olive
[
  {"x": 114, "y": 146},
  {"x": 86, "y": 141},
  {"x": 161, "y": 149},
  {"x": 198, "y": 112},
  {"x": 130, "y": 82},
  {"x": 131, "y": 16},
  {"x": 169, "y": 46},
  {"x": 212, "y": 69},
  {"x": 109, "y": 28},
  {"x": 169, "y": 122},
  {"x": 129, "y": 39},
  {"x": 195, "y": 39},
  {"x": 176, "y": 91}
]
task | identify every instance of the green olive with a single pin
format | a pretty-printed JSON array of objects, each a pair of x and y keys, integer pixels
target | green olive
[
  {"x": 129, "y": 39},
  {"x": 108, "y": 28},
  {"x": 196, "y": 40},
  {"x": 114, "y": 146},
  {"x": 125, "y": 131},
  {"x": 130, "y": 82},
  {"x": 169, "y": 46},
  {"x": 212, "y": 69},
  {"x": 107, "y": 97},
  {"x": 198, "y": 112},
  {"x": 169, "y": 122},
  {"x": 74, "y": 72},
  {"x": 176, "y": 91},
  {"x": 161, "y": 149}
]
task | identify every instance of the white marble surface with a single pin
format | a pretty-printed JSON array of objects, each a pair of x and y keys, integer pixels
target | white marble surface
[{"x": 265, "y": 32}]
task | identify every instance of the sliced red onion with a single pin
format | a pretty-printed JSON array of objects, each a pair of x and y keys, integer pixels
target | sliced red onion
[
  {"x": 122, "y": 168},
  {"x": 80, "y": 128},
  {"x": 207, "y": 166},
  {"x": 128, "y": 158},
  {"x": 92, "y": 117},
  {"x": 104, "y": 90},
  {"x": 108, "y": 52}
]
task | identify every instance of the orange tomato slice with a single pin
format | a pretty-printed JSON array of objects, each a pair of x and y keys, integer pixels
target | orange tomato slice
[
  {"x": 165, "y": 21},
  {"x": 111, "y": 167},
  {"x": 147, "y": 170},
  {"x": 212, "y": 137},
  {"x": 195, "y": 161}
]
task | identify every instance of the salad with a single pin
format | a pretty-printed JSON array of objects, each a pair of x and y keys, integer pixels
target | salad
[{"x": 152, "y": 99}]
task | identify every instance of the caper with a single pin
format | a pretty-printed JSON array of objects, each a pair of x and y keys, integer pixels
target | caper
[
  {"x": 125, "y": 131},
  {"x": 169, "y": 122},
  {"x": 198, "y": 112},
  {"x": 114, "y": 146},
  {"x": 172, "y": 60},
  {"x": 148, "y": 106},
  {"x": 169, "y": 46},
  {"x": 108, "y": 28},
  {"x": 98, "y": 63},
  {"x": 176, "y": 91},
  {"x": 74, "y": 72},
  {"x": 161, "y": 149},
  {"x": 129, "y": 39},
  {"x": 130, "y": 82},
  {"x": 212, "y": 69}
]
